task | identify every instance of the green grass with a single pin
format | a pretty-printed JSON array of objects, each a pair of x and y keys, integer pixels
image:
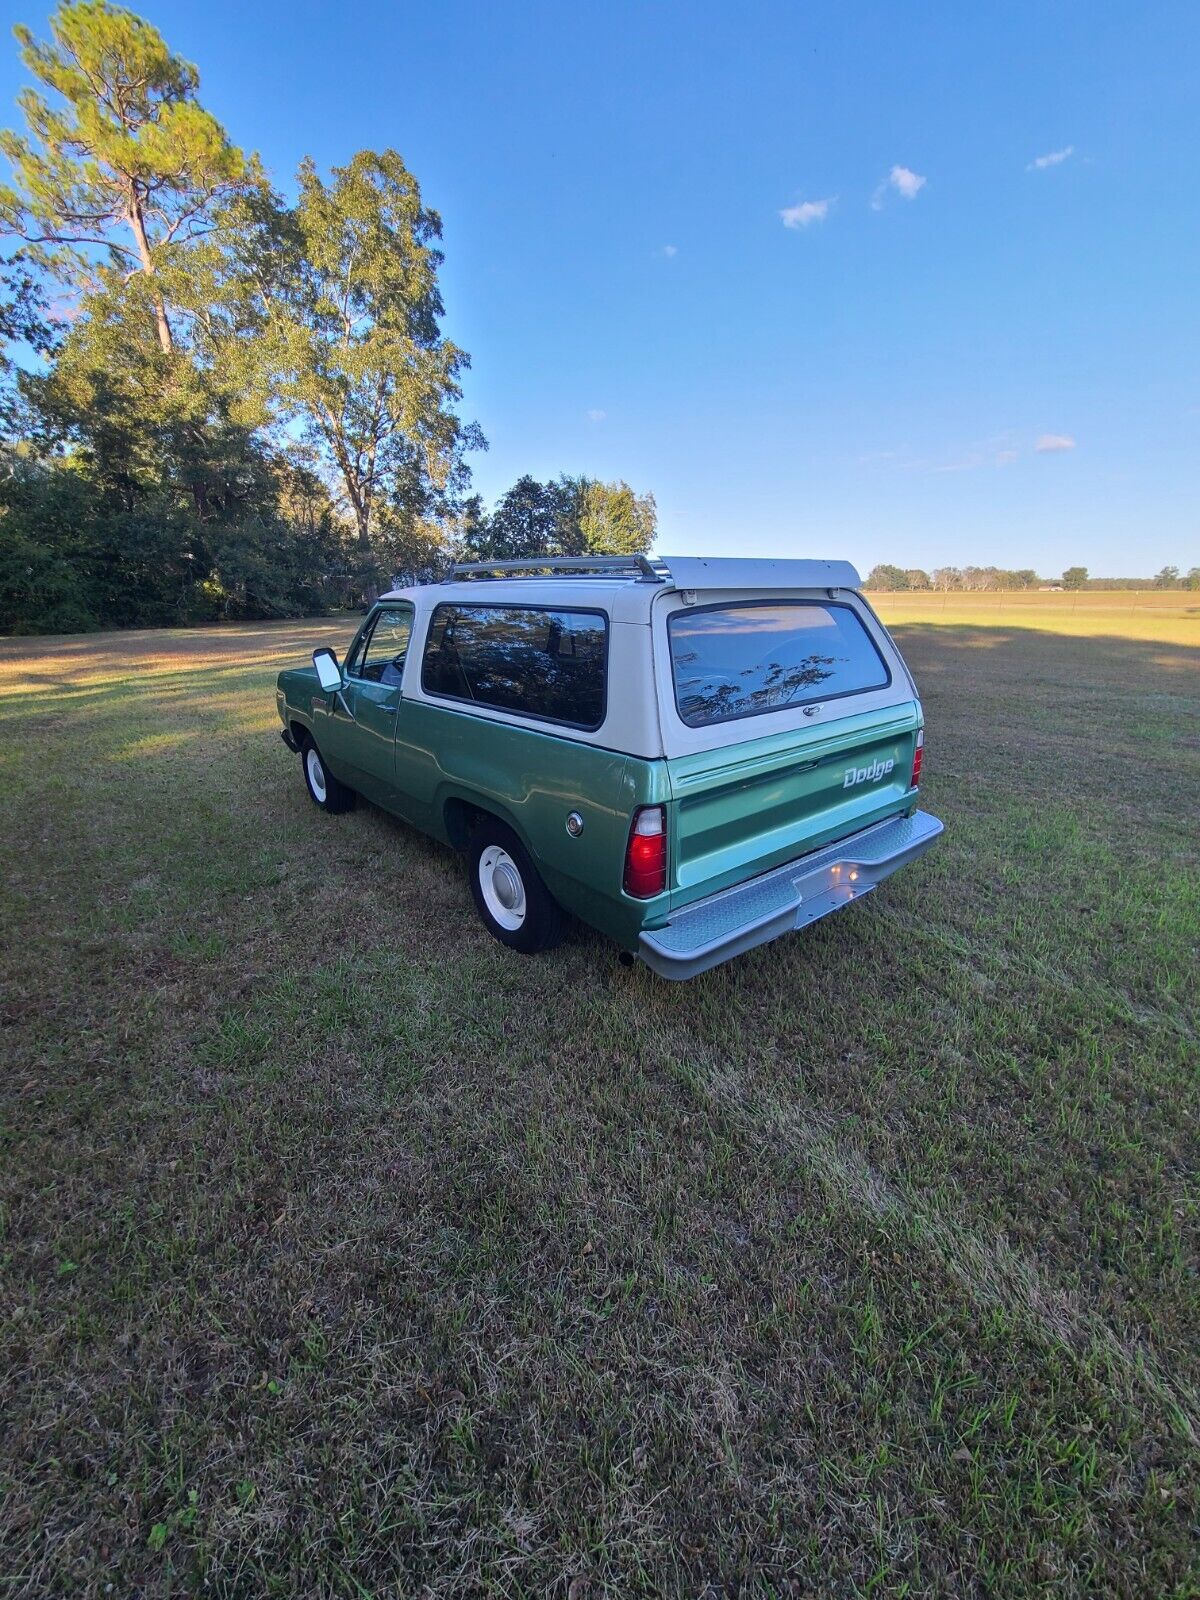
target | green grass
[{"x": 343, "y": 1253}]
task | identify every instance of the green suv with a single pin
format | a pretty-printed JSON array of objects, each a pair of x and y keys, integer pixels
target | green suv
[{"x": 693, "y": 755}]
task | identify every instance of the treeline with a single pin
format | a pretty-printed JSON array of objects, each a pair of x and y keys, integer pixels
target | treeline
[
  {"x": 891, "y": 579},
  {"x": 894, "y": 579},
  {"x": 216, "y": 401},
  {"x": 71, "y": 561},
  {"x": 1167, "y": 578}
]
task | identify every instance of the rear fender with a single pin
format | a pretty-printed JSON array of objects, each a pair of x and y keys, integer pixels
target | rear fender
[{"x": 456, "y": 811}]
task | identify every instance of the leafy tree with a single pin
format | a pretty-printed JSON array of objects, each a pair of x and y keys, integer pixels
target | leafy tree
[
  {"x": 121, "y": 190},
  {"x": 468, "y": 533},
  {"x": 129, "y": 166},
  {"x": 24, "y": 319},
  {"x": 915, "y": 578},
  {"x": 567, "y": 517},
  {"x": 1192, "y": 581},
  {"x": 1075, "y": 578},
  {"x": 345, "y": 294},
  {"x": 528, "y": 521},
  {"x": 884, "y": 577},
  {"x": 144, "y": 424},
  {"x": 608, "y": 518},
  {"x": 48, "y": 531},
  {"x": 1167, "y": 578}
]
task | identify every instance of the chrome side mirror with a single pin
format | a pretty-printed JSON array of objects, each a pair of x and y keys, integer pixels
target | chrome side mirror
[{"x": 329, "y": 674}]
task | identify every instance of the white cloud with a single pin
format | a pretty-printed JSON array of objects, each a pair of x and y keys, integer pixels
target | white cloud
[
  {"x": 906, "y": 182},
  {"x": 1047, "y": 443},
  {"x": 1054, "y": 159},
  {"x": 596, "y": 415},
  {"x": 799, "y": 216},
  {"x": 669, "y": 250}
]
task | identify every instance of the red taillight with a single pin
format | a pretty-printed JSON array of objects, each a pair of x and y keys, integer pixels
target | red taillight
[
  {"x": 918, "y": 755},
  {"x": 646, "y": 854}
]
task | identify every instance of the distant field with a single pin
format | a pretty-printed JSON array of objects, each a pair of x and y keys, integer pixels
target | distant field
[
  {"x": 1169, "y": 614},
  {"x": 343, "y": 1253}
]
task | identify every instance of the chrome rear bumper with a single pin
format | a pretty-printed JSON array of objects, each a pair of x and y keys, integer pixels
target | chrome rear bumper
[{"x": 734, "y": 920}]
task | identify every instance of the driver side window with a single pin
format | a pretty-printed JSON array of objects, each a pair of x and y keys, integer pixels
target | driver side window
[{"x": 382, "y": 656}]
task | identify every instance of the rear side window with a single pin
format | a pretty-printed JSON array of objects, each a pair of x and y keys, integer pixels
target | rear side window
[
  {"x": 740, "y": 660},
  {"x": 551, "y": 665}
]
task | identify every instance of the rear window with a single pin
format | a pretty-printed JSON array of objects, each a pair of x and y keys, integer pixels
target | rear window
[
  {"x": 740, "y": 660},
  {"x": 551, "y": 665}
]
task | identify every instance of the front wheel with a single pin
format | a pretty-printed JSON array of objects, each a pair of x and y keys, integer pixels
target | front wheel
[
  {"x": 513, "y": 903},
  {"x": 323, "y": 788}
]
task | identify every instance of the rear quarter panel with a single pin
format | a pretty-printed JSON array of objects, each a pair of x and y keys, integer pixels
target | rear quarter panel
[{"x": 533, "y": 780}]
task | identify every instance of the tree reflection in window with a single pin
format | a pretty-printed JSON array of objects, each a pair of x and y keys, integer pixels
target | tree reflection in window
[
  {"x": 538, "y": 663},
  {"x": 738, "y": 661}
]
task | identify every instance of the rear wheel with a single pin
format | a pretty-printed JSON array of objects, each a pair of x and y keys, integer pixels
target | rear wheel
[
  {"x": 513, "y": 903},
  {"x": 323, "y": 788}
]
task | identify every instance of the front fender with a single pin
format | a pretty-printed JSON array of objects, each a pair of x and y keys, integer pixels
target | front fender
[{"x": 294, "y": 691}]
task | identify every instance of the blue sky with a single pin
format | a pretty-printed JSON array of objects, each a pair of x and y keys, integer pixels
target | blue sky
[{"x": 952, "y": 354}]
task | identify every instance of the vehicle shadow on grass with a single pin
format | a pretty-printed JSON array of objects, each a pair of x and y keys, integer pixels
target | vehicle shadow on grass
[{"x": 1025, "y": 654}]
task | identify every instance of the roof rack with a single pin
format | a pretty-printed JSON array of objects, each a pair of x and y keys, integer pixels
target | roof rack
[{"x": 640, "y": 567}]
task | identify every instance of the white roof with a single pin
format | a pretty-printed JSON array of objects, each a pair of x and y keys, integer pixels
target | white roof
[
  {"x": 761, "y": 573},
  {"x": 628, "y": 597},
  {"x": 623, "y": 599}
]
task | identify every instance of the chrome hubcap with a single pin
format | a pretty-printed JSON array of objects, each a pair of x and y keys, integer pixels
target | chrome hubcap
[{"x": 507, "y": 886}]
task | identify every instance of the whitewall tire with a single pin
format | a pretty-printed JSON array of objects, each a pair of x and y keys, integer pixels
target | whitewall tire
[
  {"x": 323, "y": 788},
  {"x": 514, "y": 904}
]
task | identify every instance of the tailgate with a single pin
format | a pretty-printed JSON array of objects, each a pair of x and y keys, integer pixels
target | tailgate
[{"x": 748, "y": 807}]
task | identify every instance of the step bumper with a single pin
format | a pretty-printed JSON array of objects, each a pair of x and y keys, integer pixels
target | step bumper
[{"x": 735, "y": 920}]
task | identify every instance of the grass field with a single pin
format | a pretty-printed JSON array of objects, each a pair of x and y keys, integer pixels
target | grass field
[
  {"x": 343, "y": 1253},
  {"x": 1146, "y": 614}
]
